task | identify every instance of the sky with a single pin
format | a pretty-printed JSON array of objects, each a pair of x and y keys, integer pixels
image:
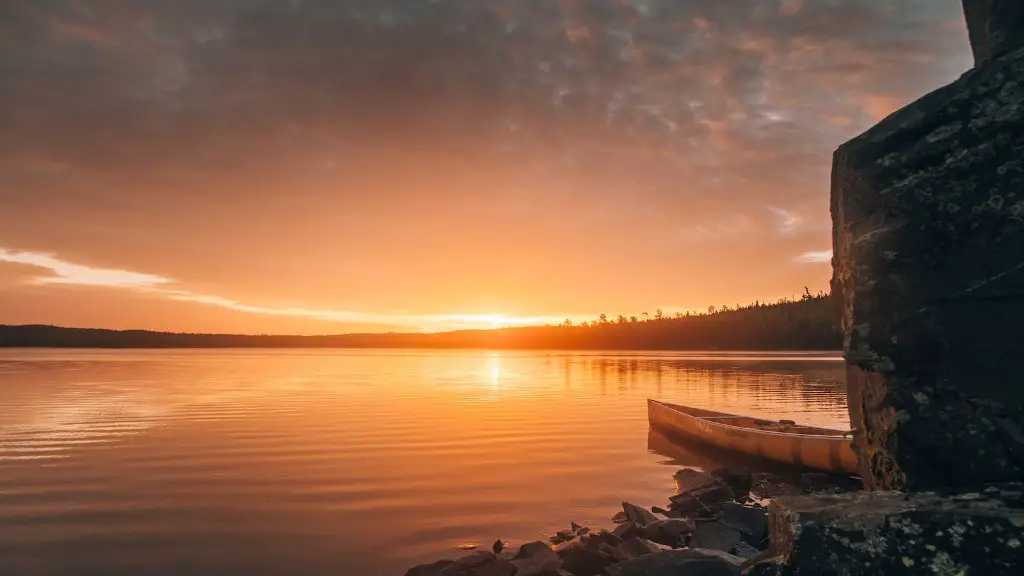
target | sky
[{"x": 325, "y": 166}]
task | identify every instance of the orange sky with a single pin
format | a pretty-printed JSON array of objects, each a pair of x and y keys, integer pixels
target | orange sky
[{"x": 332, "y": 166}]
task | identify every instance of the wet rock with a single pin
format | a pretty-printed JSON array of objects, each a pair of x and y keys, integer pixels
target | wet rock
[
  {"x": 730, "y": 558},
  {"x": 715, "y": 536},
  {"x": 582, "y": 561},
  {"x": 744, "y": 550},
  {"x": 603, "y": 537},
  {"x": 575, "y": 527},
  {"x": 634, "y": 548},
  {"x": 897, "y": 533},
  {"x": 928, "y": 236},
  {"x": 562, "y": 536},
  {"x": 430, "y": 569},
  {"x": 737, "y": 479},
  {"x": 688, "y": 480},
  {"x": 498, "y": 546},
  {"x": 674, "y": 563},
  {"x": 698, "y": 493},
  {"x": 620, "y": 517},
  {"x": 659, "y": 510},
  {"x": 751, "y": 522},
  {"x": 625, "y": 530},
  {"x": 671, "y": 532},
  {"x": 536, "y": 558},
  {"x": 479, "y": 564},
  {"x": 638, "y": 515}
]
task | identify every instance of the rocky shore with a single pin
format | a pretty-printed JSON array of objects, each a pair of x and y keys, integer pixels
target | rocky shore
[{"x": 715, "y": 523}]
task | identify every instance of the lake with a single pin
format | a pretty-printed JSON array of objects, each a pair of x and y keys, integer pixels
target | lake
[{"x": 348, "y": 462}]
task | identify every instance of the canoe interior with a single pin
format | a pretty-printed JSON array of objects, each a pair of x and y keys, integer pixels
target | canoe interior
[{"x": 752, "y": 423}]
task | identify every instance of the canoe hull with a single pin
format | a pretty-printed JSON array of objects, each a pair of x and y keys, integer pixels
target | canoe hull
[{"x": 819, "y": 449}]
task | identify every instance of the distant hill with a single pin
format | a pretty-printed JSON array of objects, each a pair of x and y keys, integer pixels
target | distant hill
[{"x": 810, "y": 323}]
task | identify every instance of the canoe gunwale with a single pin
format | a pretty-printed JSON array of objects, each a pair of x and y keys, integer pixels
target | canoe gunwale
[{"x": 837, "y": 437}]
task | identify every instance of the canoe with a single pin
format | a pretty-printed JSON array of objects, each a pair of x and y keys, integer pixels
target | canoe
[{"x": 803, "y": 446}]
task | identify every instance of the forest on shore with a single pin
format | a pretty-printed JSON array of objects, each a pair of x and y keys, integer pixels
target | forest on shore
[{"x": 808, "y": 323}]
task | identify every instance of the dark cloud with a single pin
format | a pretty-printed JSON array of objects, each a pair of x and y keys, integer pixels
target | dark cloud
[{"x": 163, "y": 123}]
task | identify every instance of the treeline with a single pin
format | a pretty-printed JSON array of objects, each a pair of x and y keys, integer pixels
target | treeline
[{"x": 810, "y": 323}]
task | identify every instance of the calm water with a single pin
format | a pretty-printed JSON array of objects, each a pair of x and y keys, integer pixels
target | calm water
[{"x": 347, "y": 462}]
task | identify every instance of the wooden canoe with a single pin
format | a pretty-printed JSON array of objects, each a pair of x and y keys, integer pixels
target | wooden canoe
[{"x": 804, "y": 446}]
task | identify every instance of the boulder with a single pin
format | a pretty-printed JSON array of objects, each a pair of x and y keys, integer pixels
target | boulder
[
  {"x": 562, "y": 536},
  {"x": 638, "y": 515},
  {"x": 620, "y": 517},
  {"x": 674, "y": 563},
  {"x": 582, "y": 561},
  {"x": 688, "y": 480},
  {"x": 670, "y": 532},
  {"x": 928, "y": 239},
  {"x": 898, "y": 533},
  {"x": 751, "y": 522},
  {"x": 625, "y": 530},
  {"x": 715, "y": 536},
  {"x": 429, "y": 569},
  {"x": 536, "y": 558},
  {"x": 479, "y": 564},
  {"x": 731, "y": 559},
  {"x": 635, "y": 547},
  {"x": 739, "y": 480},
  {"x": 603, "y": 537}
]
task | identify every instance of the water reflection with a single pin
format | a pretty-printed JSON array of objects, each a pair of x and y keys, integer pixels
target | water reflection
[{"x": 353, "y": 462}]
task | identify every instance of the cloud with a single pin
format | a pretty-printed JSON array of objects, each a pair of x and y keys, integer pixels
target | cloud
[
  {"x": 814, "y": 257},
  {"x": 68, "y": 273},
  {"x": 789, "y": 222},
  {"x": 76, "y": 274}
]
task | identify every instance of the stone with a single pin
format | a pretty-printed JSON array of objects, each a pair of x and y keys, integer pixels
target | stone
[
  {"x": 620, "y": 517},
  {"x": 498, "y": 546},
  {"x": 635, "y": 547},
  {"x": 659, "y": 510},
  {"x": 743, "y": 550},
  {"x": 994, "y": 27},
  {"x": 731, "y": 559},
  {"x": 928, "y": 238},
  {"x": 575, "y": 527},
  {"x": 899, "y": 533},
  {"x": 582, "y": 561},
  {"x": 715, "y": 536},
  {"x": 751, "y": 522},
  {"x": 536, "y": 558},
  {"x": 638, "y": 515},
  {"x": 688, "y": 480},
  {"x": 562, "y": 536},
  {"x": 429, "y": 569},
  {"x": 739, "y": 480},
  {"x": 625, "y": 530},
  {"x": 480, "y": 563},
  {"x": 674, "y": 563},
  {"x": 603, "y": 537},
  {"x": 670, "y": 532}
]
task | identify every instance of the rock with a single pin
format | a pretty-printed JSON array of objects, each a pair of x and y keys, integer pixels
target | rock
[
  {"x": 429, "y": 569},
  {"x": 744, "y": 550},
  {"x": 634, "y": 548},
  {"x": 688, "y": 480},
  {"x": 751, "y": 522},
  {"x": 575, "y": 527},
  {"x": 731, "y": 559},
  {"x": 562, "y": 536},
  {"x": 738, "y": 480},
  {"x": 671, "y": 532},
  {"x": 928, "y": 237},
  {"x": 603, "y": 537},
  {"x": 897, "y": 533},
  {"x": 715, "y": 536},
  {"x": 638, "y": 515},
  {"x": 698, "y": 493},
  {"x": 674, "y": 563},
  {"x": 994, "y": 27},
  {"x": 620, "y": 517},
  {"x": 659, "y": 510},
  {"x": 815, "y": 481},
  {"x": 498, "y": 546},
  {"x": 480, "y": 563},
  {"x": 583, "y": 531},
  {"x": 625, "y": 530},
  {"x": 535, "y": 558},
  {"x": 582, "y": 561}
]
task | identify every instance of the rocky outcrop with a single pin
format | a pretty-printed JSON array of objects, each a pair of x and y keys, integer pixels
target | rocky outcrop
[
  {"x": 893, "y": 533},
  {"x": 928, "y": 215}
]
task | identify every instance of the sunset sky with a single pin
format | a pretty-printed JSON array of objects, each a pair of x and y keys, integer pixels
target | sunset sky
[{"x": 323, "y": 166}]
